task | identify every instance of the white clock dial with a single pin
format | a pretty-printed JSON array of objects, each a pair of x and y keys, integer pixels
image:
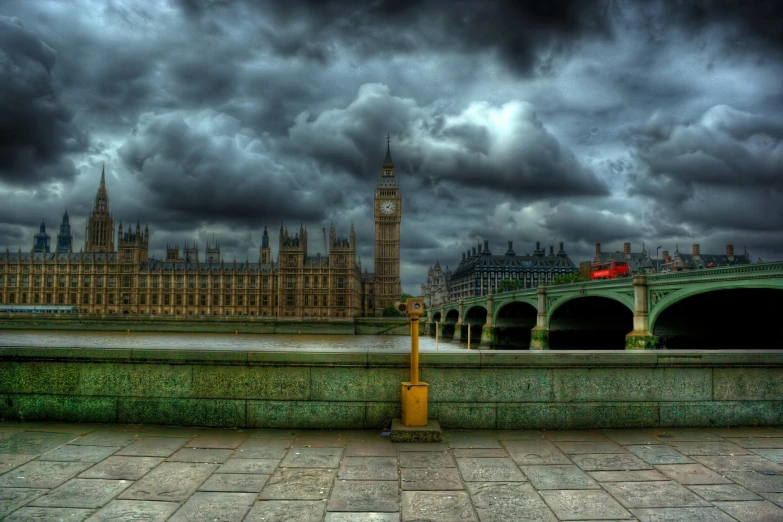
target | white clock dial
[{"x": 387, "y": 207}]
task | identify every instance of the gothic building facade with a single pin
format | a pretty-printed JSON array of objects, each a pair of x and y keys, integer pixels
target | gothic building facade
[{"x": 296, "y": 285}]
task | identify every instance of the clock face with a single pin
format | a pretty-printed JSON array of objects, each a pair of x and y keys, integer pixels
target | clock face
[{"x": 387, "y": 207}]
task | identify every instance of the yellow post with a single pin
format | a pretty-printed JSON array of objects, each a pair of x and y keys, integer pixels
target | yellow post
[
  {"x": 468, "y": 336},
  {"x": 436, "y": 334},
  {"x": 414, "y": 393}
]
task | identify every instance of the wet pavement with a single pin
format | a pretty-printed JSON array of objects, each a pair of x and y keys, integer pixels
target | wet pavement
[{"x": 71, "y": 472}]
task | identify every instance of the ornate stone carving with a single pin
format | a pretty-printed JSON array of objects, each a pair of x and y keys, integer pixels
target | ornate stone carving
[{"x": 657, "y": 295}]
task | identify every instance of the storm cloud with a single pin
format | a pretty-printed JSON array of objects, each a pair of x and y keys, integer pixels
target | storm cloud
[{"x": 578, "y": 121}]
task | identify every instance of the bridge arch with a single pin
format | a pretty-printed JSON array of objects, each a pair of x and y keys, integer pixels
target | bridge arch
[
  {"x": 723, "y": 315},
  {"x": 513, "y": 322},
  {"x": 452, "y": 316},
  {"x": 435, "y": 318},
  {"x": 597, "y": 321},
  {"x": 475, "y": 318}
]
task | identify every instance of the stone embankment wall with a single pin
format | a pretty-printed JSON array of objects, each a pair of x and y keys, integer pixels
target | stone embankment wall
[
  {"x": 361, "y": 389},
  {"x": 206, "y": 324}
]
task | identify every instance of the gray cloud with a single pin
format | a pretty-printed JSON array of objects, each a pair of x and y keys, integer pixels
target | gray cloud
[{"x": 580, "y": 121}]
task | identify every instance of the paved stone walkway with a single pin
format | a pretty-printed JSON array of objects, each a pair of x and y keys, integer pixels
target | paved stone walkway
[{"x": 69, "y": 472}]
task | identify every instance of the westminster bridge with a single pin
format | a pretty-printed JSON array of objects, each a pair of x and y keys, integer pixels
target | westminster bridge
[{"x": 715, "y": 308}]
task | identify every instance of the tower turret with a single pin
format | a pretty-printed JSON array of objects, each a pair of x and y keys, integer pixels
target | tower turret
[
  {"x": 41, "y": 240},
  {"x": 64, "y": 238},
  {"x": 99, "y": 236}
]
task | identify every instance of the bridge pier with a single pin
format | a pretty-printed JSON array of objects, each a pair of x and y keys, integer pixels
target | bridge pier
[
  {"x": 539, "y": 335},
  {"x": 488, "y": 329},
  {"x": 640, "y": 338},
  {"x": 458, "y": 327}
]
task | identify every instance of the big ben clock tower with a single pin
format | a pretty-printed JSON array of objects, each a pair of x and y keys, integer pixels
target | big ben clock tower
[{"x": 388, "y": 213}]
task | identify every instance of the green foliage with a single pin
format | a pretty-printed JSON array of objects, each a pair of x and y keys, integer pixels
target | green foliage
[
  {"x": 563, "y": 279},
  {"x": 509, "y": 284},
  {"x": 390, "y": 311}
]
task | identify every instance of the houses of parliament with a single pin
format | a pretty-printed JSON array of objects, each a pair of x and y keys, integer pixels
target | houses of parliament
[{"x": 114, "y": 273}]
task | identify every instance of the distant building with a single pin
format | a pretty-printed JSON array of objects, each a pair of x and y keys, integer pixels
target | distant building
[
  {"x": 480, "y": 271},
  {"x": 637, "y": 261},
  {"x": 436, "y": 290},
  {"x": 64, "y": 238},
  {"x": 696, "y": 260},
  {"x": 41, "y": 240}
]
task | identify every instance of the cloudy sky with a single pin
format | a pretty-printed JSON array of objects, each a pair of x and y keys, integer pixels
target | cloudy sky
[{"x": 583, "y": 122}]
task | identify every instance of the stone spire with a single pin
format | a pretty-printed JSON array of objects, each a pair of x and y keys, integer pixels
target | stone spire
[{"x": 387, "y": 163}]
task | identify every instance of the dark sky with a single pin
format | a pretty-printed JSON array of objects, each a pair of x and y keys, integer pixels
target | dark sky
[{"x": 582, "y": 122}]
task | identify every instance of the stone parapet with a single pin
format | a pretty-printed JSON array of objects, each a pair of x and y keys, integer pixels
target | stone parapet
[{"x": 479, "y": 389}]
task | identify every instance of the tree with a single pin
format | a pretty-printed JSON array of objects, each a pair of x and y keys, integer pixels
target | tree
[
  {"x": 563, "y": 279},
  {"x": 506, "y": 285},
  {"x": 391, "y": 311}
]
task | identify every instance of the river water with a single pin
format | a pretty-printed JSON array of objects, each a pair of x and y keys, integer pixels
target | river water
[{"x": 241, "y": 342}]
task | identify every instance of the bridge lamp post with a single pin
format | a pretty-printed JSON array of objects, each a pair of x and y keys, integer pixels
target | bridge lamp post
[{"x": 657, "y": 264}]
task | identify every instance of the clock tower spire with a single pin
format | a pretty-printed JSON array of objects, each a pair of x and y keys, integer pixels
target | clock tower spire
[{"x": 388, "y": 214}]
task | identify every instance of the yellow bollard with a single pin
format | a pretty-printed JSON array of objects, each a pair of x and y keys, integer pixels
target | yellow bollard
[
  {"x": 436, "y": 335},
  {"x": 468, "y": 336},
  {"x": 414, "y": 393}
]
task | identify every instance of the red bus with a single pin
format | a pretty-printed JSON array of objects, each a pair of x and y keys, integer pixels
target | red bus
[{"x": 609, "y": 270}]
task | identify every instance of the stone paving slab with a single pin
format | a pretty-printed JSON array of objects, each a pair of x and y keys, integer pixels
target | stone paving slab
[
  {"x": 437, "y": 505},
  {"x": 208, "y": 507},
  {"x": 584, "y": 505},
  {"x": 104, "y": 472},
  {"x": 688, "y": 514},
  {"x": 509, "y": 501},
  {"x": 489, "y": 470},
  {"x": 82, "y": 493},
  {"x": 365, "y": 495},
  {"x": 48, "y": 514},
  {"x": 141, "y": 510},
  {"x": 122, "y": 468},
  {"x": 69, "y": 453},
  {"x": 284, "y": 510}
]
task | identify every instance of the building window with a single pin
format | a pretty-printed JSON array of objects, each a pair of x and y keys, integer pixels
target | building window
[
  {"x": 252, "y": 281},
  {"x": 36, "y": 298},
  {"x": 266, "y": 283},
  {"x": 24, "y": 298},
  {"x": 252, "y": 300},
  {"x": 111, "y": 299},
  {"x": 307, "y": 300},
  {"x": 214, "y": 300},
  {"x": 143, "y": 299},
  {"x": 264, "y": 301},
  {"x": 341, "y": 282},
  {"x": 323, "y": 300},
  {"x": 215, "y": 282},
  {"x": 228, "y": 300},
  {"x": 307, "y": 282},
  {"x": 190, "y": 299},
  {"x": 154, "y": 281},
  {"x": 179, "y": 299},
  {"x": 289, "y": 300},
  {"x": 340, "y": 300},
  {"x": 48, "y": 298},
  {"x": 111, "y": 283},
  {"x": 154, "y": 299},
  {"x": 227, "y": 282},
  {"x": 240, "y": 282},
  {"x": 204, "y": 283},
  {"x": 179, "y": 281},
  {"x": 11, "y": 298},
  {"x": 25, "y": 281},
  {"x": 86, "y": 299},
  {"x": 12, "y": 281},
  {"x": 166, "y": 299},
  {"x": 203, "y": 300},
  {"x": 239, "y": 300},
  {"x": 142, "y": 281},
  {"x": 126, "y": 281},
  {"x": 191, "y": 282},
  {"x": 315, "y": 281},
  {"x": 290, "y": 281},
  {"x": 126, "y": 299},
  {"x": 36, "y": 282},
  {"x": 166, "y": 281}
]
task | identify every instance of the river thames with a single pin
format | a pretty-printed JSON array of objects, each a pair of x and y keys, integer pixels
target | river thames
[{"x": 241, "y": 342}]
